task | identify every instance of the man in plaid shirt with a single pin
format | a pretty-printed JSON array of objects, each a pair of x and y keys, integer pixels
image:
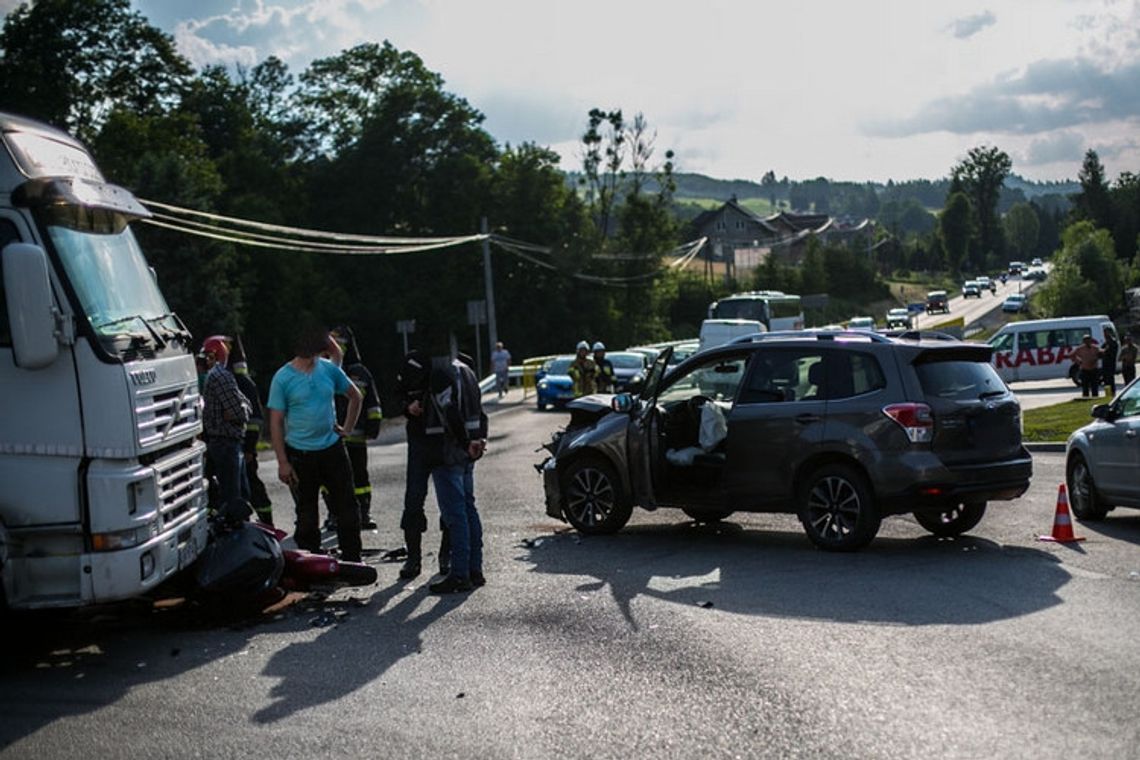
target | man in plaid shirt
[{"x": 223, "y": 419}]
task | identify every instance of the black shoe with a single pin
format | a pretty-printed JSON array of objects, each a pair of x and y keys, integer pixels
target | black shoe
[
  {"x": 367, "y": 523},
  {"x": 410, "y": 569},
  {"x": 478, "y": 580},
  {"x": 451, "y": 585},
  {"x": 330, "y": 525},
  {"x": 444, "y": 567}
]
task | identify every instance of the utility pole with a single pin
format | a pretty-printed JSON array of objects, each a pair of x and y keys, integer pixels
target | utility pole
[{"x": 489, "y": 290}]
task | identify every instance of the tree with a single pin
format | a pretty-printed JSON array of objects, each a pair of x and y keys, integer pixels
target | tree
[
  {"x": 1092, "y": 203},
  {"x": 1087, "y": 278},
  {"x": 72, "y": 63},
  {"x": 813, "y": 274},
  {"x": 981, "y": 176},
  {"x": 1125, "y": 197},
  {"x": 956, "y": 228},
  {"x": 769, "y": 183},
  {"x": 603, "y": 155},
  {"x": 1021, "y": 229}
]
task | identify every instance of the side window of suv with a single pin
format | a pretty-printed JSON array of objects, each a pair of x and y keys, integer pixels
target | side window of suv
[
  {"x": 785, "y": 375},
  {"x": 855, "y": 373}
]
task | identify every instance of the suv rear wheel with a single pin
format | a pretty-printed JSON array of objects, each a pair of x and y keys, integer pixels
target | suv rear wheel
[
  {"x": 592, "y": 500},
  {"x": 952, "y": 522},
  {"x": 836, "y": 509},
  {"x": 1083, "y": 498}
]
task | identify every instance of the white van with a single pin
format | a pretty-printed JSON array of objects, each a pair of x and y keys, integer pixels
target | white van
[
  {"x": 1042, "y": 349},
  {"x": 717, "y": 332}
]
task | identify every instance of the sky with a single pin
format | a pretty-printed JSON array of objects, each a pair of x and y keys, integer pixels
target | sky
[{"x": 851, "y": 90}]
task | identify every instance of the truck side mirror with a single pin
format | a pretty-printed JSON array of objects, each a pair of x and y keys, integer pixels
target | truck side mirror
[{"x": 31, "y": 311}]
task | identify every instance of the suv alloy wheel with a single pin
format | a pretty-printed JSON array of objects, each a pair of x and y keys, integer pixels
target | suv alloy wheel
[{"x": 836, "y": 509}]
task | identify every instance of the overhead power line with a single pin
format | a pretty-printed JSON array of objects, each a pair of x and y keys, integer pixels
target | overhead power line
[{"x": 300, "y": 240}]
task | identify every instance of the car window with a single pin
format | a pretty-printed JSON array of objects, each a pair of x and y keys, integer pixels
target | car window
[
  {"x": 855, "y": 373},
  {"x": 1128, "y": 404},
  {"x": 1003, "y": 342},
  {"x": 785, "y": 375},
  {"x": 958, "y": 380},
  {"x": 717, "y": 379}
]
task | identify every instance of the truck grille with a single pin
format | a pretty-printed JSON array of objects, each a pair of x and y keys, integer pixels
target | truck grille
[
  {"x": 181, "y": 487},
  {"x": 167, "y": 415}
]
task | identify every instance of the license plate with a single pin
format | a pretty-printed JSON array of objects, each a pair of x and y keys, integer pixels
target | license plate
[{"x": 187, "y": 553}]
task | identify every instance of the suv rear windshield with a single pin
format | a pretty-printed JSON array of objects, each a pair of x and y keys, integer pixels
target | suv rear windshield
[{"x": 958, "y": 380}]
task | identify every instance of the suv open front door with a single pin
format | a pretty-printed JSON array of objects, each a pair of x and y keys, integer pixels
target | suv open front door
[{"x": 645, "y": 435}]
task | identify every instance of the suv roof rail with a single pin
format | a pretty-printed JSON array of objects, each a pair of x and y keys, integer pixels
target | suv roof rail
[{"x": 873, "y": 337}]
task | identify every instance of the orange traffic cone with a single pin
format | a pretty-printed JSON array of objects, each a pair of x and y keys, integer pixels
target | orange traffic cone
[{"x": 1062, "y": 521}]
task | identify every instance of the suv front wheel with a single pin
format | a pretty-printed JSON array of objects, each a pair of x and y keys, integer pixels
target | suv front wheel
[
  {"x": 836, "y": 509},
  {"x": 952, "y": 522},
  {"x": 592, "y": 498}
]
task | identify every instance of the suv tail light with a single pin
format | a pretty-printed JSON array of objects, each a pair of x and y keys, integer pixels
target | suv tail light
[{"x": 915, "y": 419}]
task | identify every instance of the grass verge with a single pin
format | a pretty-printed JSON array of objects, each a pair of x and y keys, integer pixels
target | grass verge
[{"x": 1056, "y": 422}]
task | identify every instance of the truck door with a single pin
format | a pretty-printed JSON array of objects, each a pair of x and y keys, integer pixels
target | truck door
[{"x": 39, "y": 470}]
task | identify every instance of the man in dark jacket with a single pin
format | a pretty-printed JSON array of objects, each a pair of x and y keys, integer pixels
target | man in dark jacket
[
  {"x": 258, "y": 496},
  {"x": 1108, "y": 361},
  {"x": 425, "y": 439},
  {"x": 457, "y": 401},
  {"x": 367, "y": 426}
]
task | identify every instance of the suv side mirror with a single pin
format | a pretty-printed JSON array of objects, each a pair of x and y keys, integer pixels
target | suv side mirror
[
  {"x": 1103, "y": 412},
  {"x": 31, "y": 308},
  {"x": 622, "y": 403}
]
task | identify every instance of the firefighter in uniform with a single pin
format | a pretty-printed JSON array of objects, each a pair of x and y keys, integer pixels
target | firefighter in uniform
[
  {"x": 367, "y": 425},
  {"x": 606, "y": 378},
  {"x": 583, "y": 371},
  {"x": 258, "y": 496}
]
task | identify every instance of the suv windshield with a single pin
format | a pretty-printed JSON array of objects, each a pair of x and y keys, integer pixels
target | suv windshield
[{"x": 115, "y": 287}]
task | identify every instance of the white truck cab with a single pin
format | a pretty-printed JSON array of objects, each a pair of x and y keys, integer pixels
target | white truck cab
[{"x": 101, "y": 489}]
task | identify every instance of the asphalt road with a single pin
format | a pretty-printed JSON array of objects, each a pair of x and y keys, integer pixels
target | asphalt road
[
  {"x": 665, "y": 640},
  {"x": 974, "y": 310}
]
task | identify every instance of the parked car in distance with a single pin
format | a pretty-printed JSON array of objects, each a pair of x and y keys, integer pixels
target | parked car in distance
[
  {"x": 1102, "y": 457},
  {"x": 1015, "y": 303},
  {"x": 898, "y": 318},
  {"x": 839, "y": 429},
  {"x": 971, "y": 289},
  {"x": 937, "y": 300},
  {"x": 1037, "y": 263},
  {"x": 553, "y": 382},
  {"x": 1036, "y": 273},
  {"x": 861, "y": 323},
  {"x": 629, "y": 369},
  {"x": 1015, "y": 267}
]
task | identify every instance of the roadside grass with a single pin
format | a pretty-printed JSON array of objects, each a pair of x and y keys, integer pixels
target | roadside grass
[{"x": 1057, "y": 422}]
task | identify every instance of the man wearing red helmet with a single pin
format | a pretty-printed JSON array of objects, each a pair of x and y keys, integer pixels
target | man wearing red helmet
[{"x": 224, "y": 416}]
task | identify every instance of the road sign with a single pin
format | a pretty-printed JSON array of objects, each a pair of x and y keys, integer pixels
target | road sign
[
  {"x": 406, "y": 326},
  {"x": 476, "y": 312}
]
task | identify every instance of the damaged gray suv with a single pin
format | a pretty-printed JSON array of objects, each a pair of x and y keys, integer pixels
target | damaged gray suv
[{"x": 841, "y": 429}]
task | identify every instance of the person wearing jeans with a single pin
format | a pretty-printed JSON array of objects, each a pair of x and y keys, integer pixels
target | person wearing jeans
[
  {"x": 225, "y": 412},
  {"x": 456, "y": 402}
]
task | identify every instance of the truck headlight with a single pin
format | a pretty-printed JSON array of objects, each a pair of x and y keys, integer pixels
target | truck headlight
[{"x": 124, "y": 539}]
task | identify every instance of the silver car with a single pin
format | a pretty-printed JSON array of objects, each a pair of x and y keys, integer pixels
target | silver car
[{"x": 1103, "y": 457}]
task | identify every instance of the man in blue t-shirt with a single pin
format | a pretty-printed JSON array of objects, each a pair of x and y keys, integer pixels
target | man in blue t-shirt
[{"x": 308, "y": 441}]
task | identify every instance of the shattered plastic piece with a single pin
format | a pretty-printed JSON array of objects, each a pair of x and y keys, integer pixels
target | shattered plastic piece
[
  {"x": 705, "y": 605},
  {"x": 140, "y": 665},
  {"x": 1134, "y": 575},
  {"x": 324, "y": 620},
  {"x": 530, "y": 543},
  {"x": 395, "y": 555},
  {"x": 461, "y": 695}
]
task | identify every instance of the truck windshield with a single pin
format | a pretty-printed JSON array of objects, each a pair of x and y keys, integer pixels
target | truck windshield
[{"x": 106, "y": 268}]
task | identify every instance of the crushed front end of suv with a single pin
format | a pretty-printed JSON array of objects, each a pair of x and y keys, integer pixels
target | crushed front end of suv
[{"x": 841, "y": 429}]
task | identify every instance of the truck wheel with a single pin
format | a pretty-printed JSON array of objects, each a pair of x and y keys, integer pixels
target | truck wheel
[
  {"x": 836, "y": 509},
  {"x": 707, "y": 515},
  {"x": 1083, "y": 498},
  {"x": 952, "y": 522},
  {"x": 592, "y": 499}
]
